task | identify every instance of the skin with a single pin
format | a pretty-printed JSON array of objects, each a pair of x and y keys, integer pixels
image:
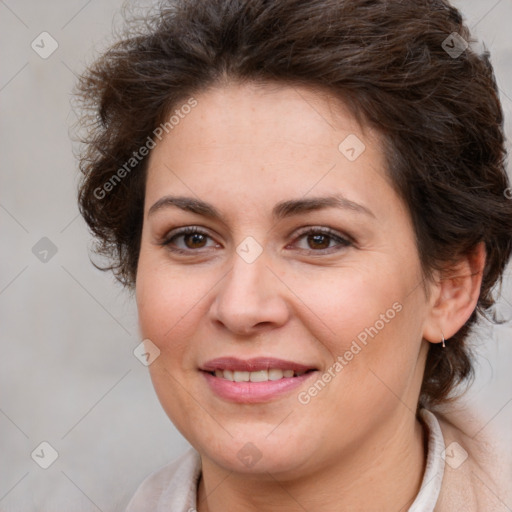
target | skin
[{"x": 357, "y": 444}]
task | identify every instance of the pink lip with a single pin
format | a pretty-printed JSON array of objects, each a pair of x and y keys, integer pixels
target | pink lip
[
  {"x": 253, "y": 392},
  {"x": 253, "y": 365}
]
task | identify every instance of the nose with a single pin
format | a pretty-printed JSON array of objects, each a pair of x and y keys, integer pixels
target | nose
[{"x": 250, "y": 299}]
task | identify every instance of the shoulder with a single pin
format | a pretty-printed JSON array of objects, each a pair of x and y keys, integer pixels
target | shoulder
[
  {"x": 476, "y": 475},
  {"x": 172, "y": 487}
]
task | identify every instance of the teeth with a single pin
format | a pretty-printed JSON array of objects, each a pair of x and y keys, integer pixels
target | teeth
[
  {"x": 275, "y": 374},
  {"x": 241, "y": 376},
  {"x": 259, "y": 376}
]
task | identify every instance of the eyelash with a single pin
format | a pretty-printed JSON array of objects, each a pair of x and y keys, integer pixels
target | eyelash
[{"x": 342, "y": 241}]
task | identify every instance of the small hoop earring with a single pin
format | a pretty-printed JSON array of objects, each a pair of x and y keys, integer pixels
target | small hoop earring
[{"x": 444, "y": 344}]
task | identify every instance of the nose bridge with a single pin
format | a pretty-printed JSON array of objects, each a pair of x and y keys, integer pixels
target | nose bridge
[
  {"x": 250, "y": 295},
  {"x": 247, "y": 281},
  {"x": 249, "y": 266}
]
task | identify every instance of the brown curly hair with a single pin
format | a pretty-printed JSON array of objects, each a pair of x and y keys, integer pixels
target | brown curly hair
[{"x": 437, "y": 110}]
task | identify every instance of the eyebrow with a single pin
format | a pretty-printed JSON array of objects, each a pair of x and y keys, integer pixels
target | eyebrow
[{"x": 280, "y": 211}]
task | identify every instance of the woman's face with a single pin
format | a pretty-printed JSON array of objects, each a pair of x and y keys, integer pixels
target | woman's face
[{"x": 304, "y": 263}]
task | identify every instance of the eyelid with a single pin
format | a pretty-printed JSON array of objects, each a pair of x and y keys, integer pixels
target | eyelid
[
  {"x": 184, "y": 230},
  {"x": 165, "y": 241},
  {"x": 341, "y": 239},
  {"x": 324, "y": 230}
]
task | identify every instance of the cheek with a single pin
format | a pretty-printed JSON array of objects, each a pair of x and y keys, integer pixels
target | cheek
[
  {"x": 166, "y": 315},
  {"x": 370, "y": 324},
  {"x": 167, "y": 311},
  {"x": 347, "y": 303},
  {"x": 166, "y": 304}
]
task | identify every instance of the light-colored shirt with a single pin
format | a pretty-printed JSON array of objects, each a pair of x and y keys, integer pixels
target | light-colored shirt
[{"x": 173, "y": 488}]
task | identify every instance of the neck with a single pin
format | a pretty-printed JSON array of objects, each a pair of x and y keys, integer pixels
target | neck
[{"x": 384, "y": 474}]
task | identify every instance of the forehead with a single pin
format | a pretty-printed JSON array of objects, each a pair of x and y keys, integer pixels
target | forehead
[
  {"x": 256, "y": 113},
  {"x": 267, "y": 142}
]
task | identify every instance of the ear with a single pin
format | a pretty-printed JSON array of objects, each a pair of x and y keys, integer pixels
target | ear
[{"x": 454, "y": 296}]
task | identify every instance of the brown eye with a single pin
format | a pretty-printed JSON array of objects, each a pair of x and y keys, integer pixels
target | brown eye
[
  {"x": 194, "y": 240},
  {"x": 318, "y": 241},
  {"x": 189, "y": 239}
]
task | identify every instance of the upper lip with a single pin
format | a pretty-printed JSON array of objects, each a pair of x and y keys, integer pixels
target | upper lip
[{"x": 253, "y": 365}]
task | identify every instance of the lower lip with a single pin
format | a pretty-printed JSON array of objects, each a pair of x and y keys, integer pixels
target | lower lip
[{"x": 254, "y": 392}]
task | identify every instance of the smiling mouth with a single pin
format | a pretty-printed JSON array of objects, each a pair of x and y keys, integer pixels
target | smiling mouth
[
  {"x": 258, "y": 376},
  {"x": 258, "y": 369},
  {"x": 254, "y": 381}
]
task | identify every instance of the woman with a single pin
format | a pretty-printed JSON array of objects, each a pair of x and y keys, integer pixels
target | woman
[{"x": 308, "y": 198}]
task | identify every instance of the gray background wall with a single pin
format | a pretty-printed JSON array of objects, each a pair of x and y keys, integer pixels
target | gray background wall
[{"x": 67, "y": 372}]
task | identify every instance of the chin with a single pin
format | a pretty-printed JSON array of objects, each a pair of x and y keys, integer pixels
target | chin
[{"x": 252, "y": 450}]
